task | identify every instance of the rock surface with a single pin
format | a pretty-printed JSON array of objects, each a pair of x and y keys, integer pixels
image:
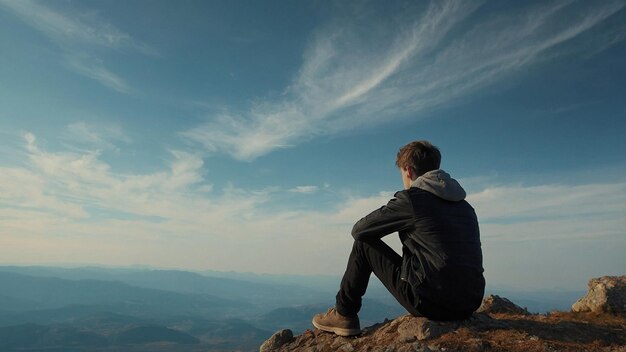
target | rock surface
[
  {"x": 277, "y": 340},
  {"x": 606, "y": 294},
  {"x": 497, "y": 304},
  {"x": 405, "y": 333},
  {"x": 500, "y": 326}
]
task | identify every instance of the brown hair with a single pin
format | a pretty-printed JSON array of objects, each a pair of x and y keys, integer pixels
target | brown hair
[{"x": 421, "y": 156}]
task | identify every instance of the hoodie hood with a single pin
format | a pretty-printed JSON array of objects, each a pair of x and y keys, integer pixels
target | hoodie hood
[{"x": 439, "y": 183}]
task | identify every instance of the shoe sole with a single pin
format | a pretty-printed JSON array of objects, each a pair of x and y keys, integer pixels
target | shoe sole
[{"x": 338, "y": 331}]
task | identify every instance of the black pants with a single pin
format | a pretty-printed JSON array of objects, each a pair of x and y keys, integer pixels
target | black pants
[{"x": 375, "y": 256}]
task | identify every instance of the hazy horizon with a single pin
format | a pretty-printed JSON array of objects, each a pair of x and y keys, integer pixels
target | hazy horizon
[
  {"x": 326, "y": 279},
  {"x": 326, "y": 284},
  {"x": 250, "y": 136}
]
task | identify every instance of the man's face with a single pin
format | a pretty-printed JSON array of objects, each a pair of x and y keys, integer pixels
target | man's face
[{"x": 407, "y": 177}]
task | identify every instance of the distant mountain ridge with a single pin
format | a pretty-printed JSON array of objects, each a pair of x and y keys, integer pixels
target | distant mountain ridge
[
  {"x": 50, "y": 293},
  {"x": 265, "y": 294},
  {"x": 272, "y": 290}
]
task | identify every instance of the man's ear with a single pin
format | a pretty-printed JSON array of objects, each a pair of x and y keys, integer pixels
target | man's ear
[{"x": 409, "y": 172}]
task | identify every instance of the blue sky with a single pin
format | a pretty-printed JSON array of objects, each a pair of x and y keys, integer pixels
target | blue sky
[{"x": 250, "y": 136}]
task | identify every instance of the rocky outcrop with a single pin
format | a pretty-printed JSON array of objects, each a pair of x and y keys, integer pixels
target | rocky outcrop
[
  {"x": 405, "y": 333},
  {"x": 606, "y": 294},
  {"x": 499, "y": 326}
]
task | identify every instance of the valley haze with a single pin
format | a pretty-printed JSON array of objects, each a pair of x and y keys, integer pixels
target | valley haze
[{"x": 131, "y": 309}]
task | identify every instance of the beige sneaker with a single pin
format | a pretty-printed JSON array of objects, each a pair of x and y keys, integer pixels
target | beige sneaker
[{"x": 332, "y": 321}]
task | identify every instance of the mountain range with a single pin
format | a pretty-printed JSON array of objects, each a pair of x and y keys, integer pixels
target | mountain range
[{"x": 143, "y": 309}]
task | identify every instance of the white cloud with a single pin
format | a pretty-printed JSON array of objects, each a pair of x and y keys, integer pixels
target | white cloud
[
  {"x": 563, "y": 202},
  {"x": 73, "y": 28},
  {"x": 304, "y": 189},
  {"x": 80, "y": 35},
  {"x": 71, "y": 205},
  {"x": 101, "y": 136},
  {"x": 83, "y": 180},
  {"x": 93, "y": 68},
  {"x": 30, "y": 140},
  {"x": 347, "y": 81}
]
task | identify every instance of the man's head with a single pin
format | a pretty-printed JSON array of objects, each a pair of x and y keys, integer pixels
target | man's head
[{"x": 416, "y": 159}]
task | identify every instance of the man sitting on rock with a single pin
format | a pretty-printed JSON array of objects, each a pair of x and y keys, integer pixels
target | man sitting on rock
[{"x": 440, "y": 273}]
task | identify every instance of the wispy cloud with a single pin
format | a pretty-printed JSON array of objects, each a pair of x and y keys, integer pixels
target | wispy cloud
[
  {"x": 74, "y": 205},
  {"x": 347, "y": 81},
  {"x": 518, "y": 213},
  {"x": 93, "y": 68},
  {"x": 81, "y": 36},
  {"x": 304, "y": 189},
  {"x": 100, "y": 136},
  {"x": 84, "y": 180},
  {"x": 75, "y": 28}
]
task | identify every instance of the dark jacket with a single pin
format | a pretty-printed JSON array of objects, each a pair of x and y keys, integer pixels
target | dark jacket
[{"x": 441, "y": 250}]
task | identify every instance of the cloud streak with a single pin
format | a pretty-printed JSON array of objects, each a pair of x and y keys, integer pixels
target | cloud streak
[
  {"x": 348, "y": 82},
  {"x": 101, "y": 136},
  {"x": 93, "y": 68},
  {"x": 75, "y": 29},
  {"x": 304, "y": 189},
  {"x": 549, "y": 212},
  {"x": 81, "y": 36},
  {"x": 550, "y": 201}
]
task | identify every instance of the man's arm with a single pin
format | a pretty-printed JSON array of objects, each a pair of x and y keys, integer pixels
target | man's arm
[{"x": 397, "y": 215}]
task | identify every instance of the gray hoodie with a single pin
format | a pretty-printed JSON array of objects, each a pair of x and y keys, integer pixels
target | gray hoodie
[{"x": 439, "y": 183}]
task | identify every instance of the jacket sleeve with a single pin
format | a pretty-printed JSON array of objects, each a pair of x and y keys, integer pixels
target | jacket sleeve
[{"x": 397, "y": 215}]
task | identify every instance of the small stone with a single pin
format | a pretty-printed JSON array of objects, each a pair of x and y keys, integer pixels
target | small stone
[
  {"x": 423, "y": 329},
  {"x": 497, "y": 304},
  {"x": 346, "y": 348},
  {"x": 277, "y": 340}
]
